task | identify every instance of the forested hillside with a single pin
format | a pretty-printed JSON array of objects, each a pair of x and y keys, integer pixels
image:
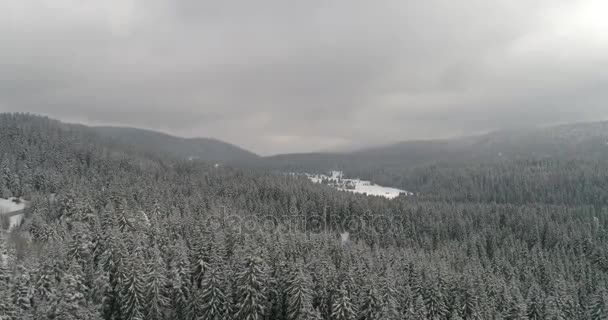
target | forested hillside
[
  {"x": 565, "y": 164},
  {"x": 116, "y": 233},
  {"x": 202, "y": 149}
]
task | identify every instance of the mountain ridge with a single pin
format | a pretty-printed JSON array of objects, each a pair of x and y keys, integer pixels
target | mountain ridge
[
  {"x": 576, "y": 140},
  {"x": 204, "y": 149}
]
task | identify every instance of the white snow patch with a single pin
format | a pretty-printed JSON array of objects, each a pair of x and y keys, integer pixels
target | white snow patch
[
  {"x": 10, "y": 205},
  {"x": 336, "y": 180},
  {"x": 344, "y": 237},
  {"x": 15, "y": 221}
]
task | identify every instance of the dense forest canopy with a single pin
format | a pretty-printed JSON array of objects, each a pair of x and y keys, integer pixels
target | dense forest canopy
[{"x": 497, "y": 229}]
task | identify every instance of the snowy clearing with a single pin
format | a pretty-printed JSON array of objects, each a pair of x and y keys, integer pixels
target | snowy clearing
[
  {"x": 10, "y": 205},
  {"x": 337, "y": 181}
]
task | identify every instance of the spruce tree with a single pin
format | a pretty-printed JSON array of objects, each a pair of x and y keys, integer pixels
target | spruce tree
[
  {"x": 371, "y": 307},
  {"x": 515, "y": 306},
  {"x": 180, "y": 290},
  {"x": 22, "y": 294},
  {"x": 535, "y": 303},
  {"x": 200, "y": 260},
  {"x": 71, "y": 301},
  {"x": 251, "y": 292},
  {"x": 435, "y": 304},
  {"x": 214, "y": 299},
  {"x": 299, "y": 297},
  {"x": 132, "y": 295},
  {"x": 417, "y": 310},
  {"x": 389, "y": 304},
  {"x": 342, "y": 307},
  {"x": 156, "y": 299},
  {"x": 7, "y": 307}
]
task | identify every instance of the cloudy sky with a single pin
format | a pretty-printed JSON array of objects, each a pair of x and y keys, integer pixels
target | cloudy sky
[{"x": 282, "y": 76}]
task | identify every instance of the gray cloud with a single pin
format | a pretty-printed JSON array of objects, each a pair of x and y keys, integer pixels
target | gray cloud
[{"x": 284, "y": 76}]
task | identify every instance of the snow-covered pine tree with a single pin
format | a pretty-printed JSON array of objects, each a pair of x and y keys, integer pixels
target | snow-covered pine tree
[
  {"x": 99, "y": 289},
  {"x": 45, "y": 287},
  {"x": 389, "y": 301},
  {"x": 67, "y": 205},
  {"x": 156, "y": 284},
  {"x": 277, "y": 284},
  {"x": 108, "y": 217},
  {"x": 80, "y": 247},
  {"x": 213, "y": 298},
  {"x": 251, "y": 289},
  {"x": 434, "y": 302},
  {"x": 124, "y": 216},
  {"x": 554, "y": 309},
  {"x": 299, "y": 296},
  {"x": 132, "y": 295},
  {"x": 455, "y": 316},
  {"x": 469, "y": 298},
  {"x": 7, "y": 260},
  {"x": 194, "y": 304},
  {"x": 8, "y": 310},
  {"x": 561, "y": 301},
  {"x": 179, "y": 280},
  {"x": 22, "y": 293},
  {"x": 5, "y": 179},
  {"x": 156, "y": 211},
  {"x": 200, "y": 259},
  {"x": 535, "y": 303},
  {"x": 515, "y": 308},
  {"x": 371, "y": 305},
  {"x": 71, "y": 299},
  {"x": 342, "y": 307},
  {"x": 113, "y": 261},
  {"x": 417, "y": 310}
]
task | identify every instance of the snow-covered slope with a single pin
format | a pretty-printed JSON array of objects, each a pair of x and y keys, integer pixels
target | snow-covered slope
[
  {"x": 336, "y": 180},
  {"x": 11, "y": 205}
]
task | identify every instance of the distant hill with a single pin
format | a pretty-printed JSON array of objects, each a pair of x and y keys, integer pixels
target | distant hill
[
  {"x": 203, "y": 149},
  {"x": 558, "y": 165},
  {"x": 573, "y": 141},
  {"x": 515, "y": 166}
]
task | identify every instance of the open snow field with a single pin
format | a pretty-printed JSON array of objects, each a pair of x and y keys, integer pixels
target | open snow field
[{"x": 336, "y": 180}]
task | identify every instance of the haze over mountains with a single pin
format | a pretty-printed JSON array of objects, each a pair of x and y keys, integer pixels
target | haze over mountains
[
  {"x": 579, "y": 140},
  {"x": 311, "y": 76}
]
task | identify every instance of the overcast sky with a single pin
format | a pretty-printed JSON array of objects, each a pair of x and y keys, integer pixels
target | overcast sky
[{"x": 280, "y": 76}]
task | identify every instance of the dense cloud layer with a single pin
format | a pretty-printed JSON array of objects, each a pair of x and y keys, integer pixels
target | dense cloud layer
[{"x": 282, "y": 76}]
